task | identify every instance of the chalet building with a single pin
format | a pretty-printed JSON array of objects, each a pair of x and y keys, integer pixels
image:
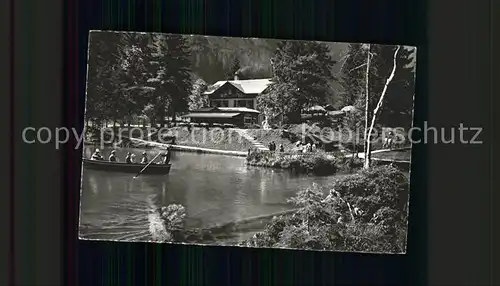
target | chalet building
[
  {"x": 237, "y": 93},
  {"x": 232, "y": 102},
  {"x": 238, "y": 116}
]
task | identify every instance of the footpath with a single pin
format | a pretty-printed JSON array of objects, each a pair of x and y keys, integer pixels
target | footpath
[{"x": 243, "y": 133}]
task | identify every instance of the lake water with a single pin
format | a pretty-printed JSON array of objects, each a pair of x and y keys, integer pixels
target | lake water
[{"x": 212, "y": 188}]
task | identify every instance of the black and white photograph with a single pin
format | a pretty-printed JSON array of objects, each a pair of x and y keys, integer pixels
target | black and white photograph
[{"x": 249, "y": 142}]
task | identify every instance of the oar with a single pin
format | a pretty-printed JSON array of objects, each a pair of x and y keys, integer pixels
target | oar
[{"x": 147, "y": 165}]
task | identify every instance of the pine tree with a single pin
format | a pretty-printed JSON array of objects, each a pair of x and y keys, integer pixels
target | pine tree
[
  {"x": 380, "y": 104},
  {"x": 234, "y": 68},
  {"x": 352, "y": 76},
  {"x": 179, "y": 73},
  {"x": 102, "y": 82},
  {"x": 301, "y": 71},
  {"x": 133, "y": 52},
  {"x": 170, "y": 76},
  {"x": 398, "y": 109},
  {"x": 197, "y": 98}
]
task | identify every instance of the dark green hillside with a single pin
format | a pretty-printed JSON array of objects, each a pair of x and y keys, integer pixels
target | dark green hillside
[{"x": 212, "y": 56}]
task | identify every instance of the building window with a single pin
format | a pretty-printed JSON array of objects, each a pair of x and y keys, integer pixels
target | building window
[
  {"x": 248, "y": 120},
  {"x": 220, "y": 103},
  {"x": 248, "y": 103}
]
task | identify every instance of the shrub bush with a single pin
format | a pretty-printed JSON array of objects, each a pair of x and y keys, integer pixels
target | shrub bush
[
  {"x": 317, "y": 163},
  {"x": 173, "y": 216}
]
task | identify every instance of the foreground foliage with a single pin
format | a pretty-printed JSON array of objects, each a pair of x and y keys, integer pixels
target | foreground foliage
[
  {"x": 365, "y": 212},
  {"x": 316, "y": 163}
]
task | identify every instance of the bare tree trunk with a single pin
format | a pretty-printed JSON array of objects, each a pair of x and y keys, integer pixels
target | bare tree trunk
[
  {"x": 350, "y": 211},
  {"x": 367, "y": 99},
  {"x": 377, "y": 109}
]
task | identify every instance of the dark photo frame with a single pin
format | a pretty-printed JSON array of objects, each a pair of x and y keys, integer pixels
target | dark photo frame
[
  {"x": 42, "y": 246},
  {"x": 391, "y": 25}
]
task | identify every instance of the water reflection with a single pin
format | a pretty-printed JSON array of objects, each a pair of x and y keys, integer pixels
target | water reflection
[{"x": 212, "y": 188}]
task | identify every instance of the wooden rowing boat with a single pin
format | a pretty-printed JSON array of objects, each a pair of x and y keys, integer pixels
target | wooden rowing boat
[{"x": 153, "y": 169}]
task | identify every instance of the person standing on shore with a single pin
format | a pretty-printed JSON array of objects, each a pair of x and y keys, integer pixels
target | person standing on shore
[{"x": 282, "y": 149}]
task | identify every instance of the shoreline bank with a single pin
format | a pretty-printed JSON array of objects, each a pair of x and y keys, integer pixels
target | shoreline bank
[
  {"x": 226, "y": 230},
  {"x": 242, "y": 224}
]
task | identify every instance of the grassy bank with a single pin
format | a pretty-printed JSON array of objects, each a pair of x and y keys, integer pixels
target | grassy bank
[
  {"x": 208, "y": 138},
  {"x": 222, "y": 139},
  {"x": 317, "y": 163}
]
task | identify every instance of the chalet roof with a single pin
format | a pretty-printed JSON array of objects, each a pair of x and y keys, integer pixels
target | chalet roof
[
  {"x": 238, "y": 109},
  {"x": 247, "y": 86},
  {"x": 224, "y": 110},
  {"x": 211, "y": 115}
]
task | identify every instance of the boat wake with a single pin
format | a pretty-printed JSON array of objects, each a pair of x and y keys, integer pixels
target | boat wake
[
  {"x": 142, "y": 222},
  {"x": 156, "y": 226}
]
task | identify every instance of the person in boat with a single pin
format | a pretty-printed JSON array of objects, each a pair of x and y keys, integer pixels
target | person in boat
[
  {"x": 144, "y": 158},
  {"x": 112, "y": 157},
  {"x": 128, "y": 159},
  {"x": 97, "y": 155},
  {"x": 166, "y": 158}
]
